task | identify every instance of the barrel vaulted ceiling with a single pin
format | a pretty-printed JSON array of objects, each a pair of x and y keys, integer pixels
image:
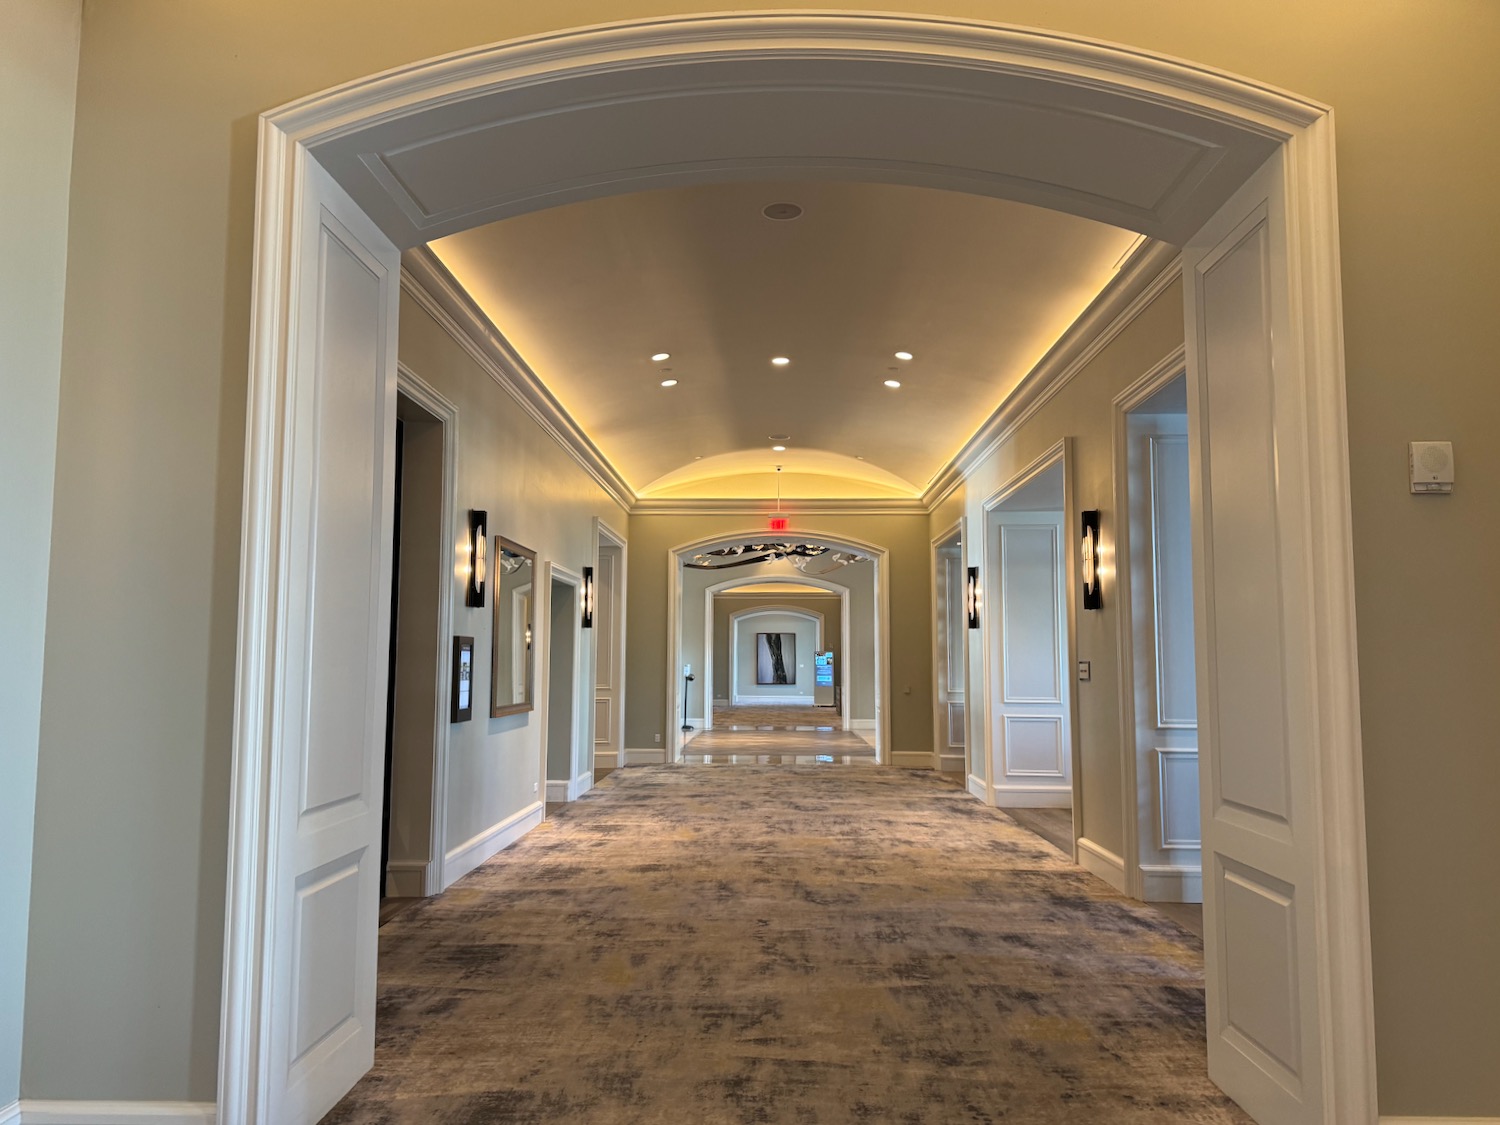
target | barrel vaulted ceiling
[{"x": 976, "y": 289}]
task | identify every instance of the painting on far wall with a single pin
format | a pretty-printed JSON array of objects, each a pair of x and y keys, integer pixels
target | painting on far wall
[{"x": 775, "y": 658}]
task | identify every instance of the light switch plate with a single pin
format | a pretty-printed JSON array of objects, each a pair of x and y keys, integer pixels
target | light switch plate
[{"x": 1085, "y": 671}]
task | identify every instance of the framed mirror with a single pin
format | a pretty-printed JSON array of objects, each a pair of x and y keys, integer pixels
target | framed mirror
[{"x": 512, "y": 666}]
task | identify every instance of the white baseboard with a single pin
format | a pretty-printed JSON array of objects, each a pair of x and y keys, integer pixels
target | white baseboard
[
  {"x": 557, "y": 792},
  {"x": 951, "y": 763},
  {"x": 459, "y": 861},
  {"x": 912, "y": 759},
  {"x": 649, "y": 756},
  {"x": 774, "y": 700},
  {"x": 606, "y": 759},
  {"x": 406, "y": 878},
  {"x": 1162, "y": 882},
  {"x": 1033, "y": 796},
  {"x": 1440, "y": 1121},
  {"x": 580, "y": 785},
  {"x": 859, "y": 724},
  {"x": 10, "y": 1114},
  {"x": 1102, "y": 862},
  {"x": 976, "y": 787},
  {"x": 34, "y": 1111}
]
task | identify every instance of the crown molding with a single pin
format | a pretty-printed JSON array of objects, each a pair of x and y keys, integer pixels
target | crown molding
[
  {"x": 1143, "y": 278},
  {"x": 428, "y": 282}
]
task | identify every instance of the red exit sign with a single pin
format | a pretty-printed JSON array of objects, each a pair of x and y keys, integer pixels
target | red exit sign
[{"x": 779, "y": 523}]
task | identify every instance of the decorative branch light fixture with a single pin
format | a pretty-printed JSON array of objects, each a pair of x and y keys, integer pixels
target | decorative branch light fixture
[
  {"x": 586, "y": 596},
  {"x": 478, "y": 565},
  {"x": 971, "y": 597},
  {"x": 1089, "y": 568}
]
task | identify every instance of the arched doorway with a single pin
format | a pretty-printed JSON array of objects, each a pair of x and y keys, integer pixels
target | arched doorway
[
  {"x": 1237, "y": 172},
  {"x": 682, "y": 617}
]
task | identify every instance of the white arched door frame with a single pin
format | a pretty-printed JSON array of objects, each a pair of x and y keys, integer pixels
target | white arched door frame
[
  {"x": 744, "y": 615},
  {"x": 844, "y": 594},
  {"x": 1080, "y": 83},
  {"x": 879, "y": 558}
]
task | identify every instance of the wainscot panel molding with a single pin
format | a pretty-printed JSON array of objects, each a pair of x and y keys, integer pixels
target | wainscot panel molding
[
  {"x": 459, "y": 861},
  {"x": 37, "y": 1112},
  {"x": 1100, "y": 861}
]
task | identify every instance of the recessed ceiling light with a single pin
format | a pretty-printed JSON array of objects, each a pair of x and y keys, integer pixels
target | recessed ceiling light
[
  {"x": 779, "y": 361},
  {"x": 660, "y": 356},
  {"x": 669, "y": 382},
  {"x": 779, "y": 448},
  {"x": 903, "y": 355},
  {"x": 782, "y": 211},
  {"x": 859, "y": 456},
  {"x": 780, "y": 437},
  {"x": 893, "y": 383}
]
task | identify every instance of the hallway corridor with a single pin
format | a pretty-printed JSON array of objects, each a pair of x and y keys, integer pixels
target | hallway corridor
[{"x": 784, "y": 944}]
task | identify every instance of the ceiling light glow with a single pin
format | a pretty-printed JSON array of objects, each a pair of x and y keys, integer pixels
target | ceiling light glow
[
  {"x": 779, "y": 448},
  {"x": 660, "y": 356},
  {"x": 779, "y": 361},
  {"x": 669, "y": 382},
  {"x": 893, "y": 383},
  {"x": 903, "y": 355}
]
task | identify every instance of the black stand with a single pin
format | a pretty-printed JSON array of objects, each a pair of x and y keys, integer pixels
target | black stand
[{"x": 685, "y": 725}]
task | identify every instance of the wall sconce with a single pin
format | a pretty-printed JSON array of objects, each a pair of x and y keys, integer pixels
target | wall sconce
[
  {"x": 1089, "y": 571},
  {"x": 586, "y": 596},
  {"x": 478, "y": 558},
  {"x": 971, "y": 596}
]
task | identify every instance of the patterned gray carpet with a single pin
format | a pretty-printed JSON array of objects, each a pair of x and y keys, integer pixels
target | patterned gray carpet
[{"x": 814, "y": 946}]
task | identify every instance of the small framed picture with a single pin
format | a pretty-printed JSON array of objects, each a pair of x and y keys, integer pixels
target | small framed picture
[{"x": 462, "y": 709}]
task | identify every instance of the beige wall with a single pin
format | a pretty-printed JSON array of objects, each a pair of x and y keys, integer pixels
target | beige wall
[
  {"x": 910, "y": 576},
  {"x": 126, "y": 938},
  {"x": 537, "y": 496},
  {"x": 38, "y": 78}
]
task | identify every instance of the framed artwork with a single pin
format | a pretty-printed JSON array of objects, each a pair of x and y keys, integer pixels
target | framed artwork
[
  {"x": 462, "y": 707},
  {"x": 775, "y": 658}
]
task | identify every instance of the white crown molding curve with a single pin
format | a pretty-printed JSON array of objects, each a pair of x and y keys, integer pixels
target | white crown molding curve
[
  {"x": 1073, "y": 59},
  {"x": 1149, "y": 271},
  {"x": 426, "y": 281}
]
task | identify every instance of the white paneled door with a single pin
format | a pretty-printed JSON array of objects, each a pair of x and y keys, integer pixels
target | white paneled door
[
  {"x": 1164, "y": 673},
  {"x": 1030, "y": 738},
  {"x": 323, "y": 895},
  {"x": 1259, "y": 740}
]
